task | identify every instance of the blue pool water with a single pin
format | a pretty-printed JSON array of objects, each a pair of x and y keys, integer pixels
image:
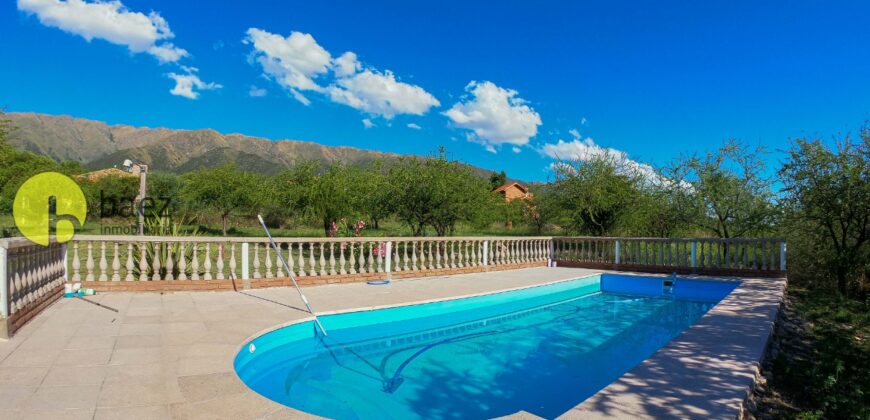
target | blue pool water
[{"x": 542, "y": 349}]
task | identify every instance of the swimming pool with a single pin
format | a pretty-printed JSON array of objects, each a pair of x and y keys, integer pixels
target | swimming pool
[{"x": 541, "y": 349}]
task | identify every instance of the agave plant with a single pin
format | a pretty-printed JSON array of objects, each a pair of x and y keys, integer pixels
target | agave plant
[{"x": 165, "y": 226}]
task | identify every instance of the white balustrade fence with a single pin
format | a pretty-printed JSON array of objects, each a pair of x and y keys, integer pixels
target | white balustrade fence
[
  {"x": 763, "y": 256},
  {"x": 30, "y": 276},
  {"x": 132, "y": 258}
]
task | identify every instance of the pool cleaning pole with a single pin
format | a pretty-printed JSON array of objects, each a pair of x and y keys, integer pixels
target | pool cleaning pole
[{"x": 290, "y": 273}]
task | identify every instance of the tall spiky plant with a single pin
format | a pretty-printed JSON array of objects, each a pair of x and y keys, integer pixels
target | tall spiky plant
[{"x": 165, "y": 226}]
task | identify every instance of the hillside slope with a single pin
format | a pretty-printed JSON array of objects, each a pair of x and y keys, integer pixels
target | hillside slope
[{"x": 98, "y": 145}]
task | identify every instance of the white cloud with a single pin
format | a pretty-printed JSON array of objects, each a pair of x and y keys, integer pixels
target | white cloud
[
  {"x": 414, "y": 126},
  {"x": 347, "y": 65},
  {"x": 585, "y": 150},
  {"x": 189, "y": 84},
  {"x": 110, "y": 21},
  {"x": 367, "y": 123},
  {"x": 381, "y": 94},
  {"x": 516, "y": 149},
  {"x": 300, "y": 97},
  {"x": 496, "y": 116},
  {"x": 300, "y": 64},
  {"x": 293, "y": 61},
  {"x": 167, "y": 52},
  {"x": 256, "y": 92}
]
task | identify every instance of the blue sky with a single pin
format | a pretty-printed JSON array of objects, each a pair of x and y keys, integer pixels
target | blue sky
[{"x": 506, "y": 87}]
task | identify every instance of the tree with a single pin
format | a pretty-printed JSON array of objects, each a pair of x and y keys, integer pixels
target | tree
[
  {"x": 111, "y": 196},
  {"x": 827, "y": 199},
  {"x": 372, "y": 195},
  {"x": 723, "y": 192},
  {"x": 15, "y": 168},
  {"x": 497, "y": 179},
  {"x": 326, "y": 194},
  {"x": 656, "y": 213},
  {"x": 543, "y": 208},
  {"x": 596, "y": 194},
  {"x": 224, "y": 189},
  {"x": 439, "y": 193}
]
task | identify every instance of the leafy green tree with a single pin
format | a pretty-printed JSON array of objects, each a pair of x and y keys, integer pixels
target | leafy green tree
[
  {"x": 512, "y": 213},
  {"x": 827, "y": 205},
  {"x": 325, "y": 194},
  {"x": 111, "y": 196},
  {"x": 439, "y": 193},
  {"x": 372, "y": 196},
  {"x": 165, "y": 192},
  {"x": 724, "y": 192},
  {"x": 543, "y": 209},
  {"x": 225, "y": 190},
  {"x": 497, "y": 179},
  {"x": 597, "y": 194},
  {"x": 655, "y": 213},
  {"x": 15, "y": 168}
]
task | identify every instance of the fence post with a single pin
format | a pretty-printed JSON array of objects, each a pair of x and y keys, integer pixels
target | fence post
[
  {"x": 4, "y": 283},
  {"x": 5, "y": 328},
  {"x": 65, "y": 261},
  {"x": 782, "y": 255},
  {"x": 694, "y": 254},
  {"x": 551, "y": 257},
  {"x": 389, "y": 259},
  {"x": 617, "y": 253},
  {"x": 485, "y": 254},
  {"x": 246, "y": 274}
]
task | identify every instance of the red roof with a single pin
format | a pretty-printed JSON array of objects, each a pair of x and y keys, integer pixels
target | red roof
[{"x": 504, "y": 187}]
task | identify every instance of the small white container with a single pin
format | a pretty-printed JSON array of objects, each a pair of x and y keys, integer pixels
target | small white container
[
  {"x": 76, "y": 287},
  {"x": 68, "y": 288}
]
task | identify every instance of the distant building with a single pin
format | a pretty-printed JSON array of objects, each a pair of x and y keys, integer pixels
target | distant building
[{"x": 514, "y": 190}]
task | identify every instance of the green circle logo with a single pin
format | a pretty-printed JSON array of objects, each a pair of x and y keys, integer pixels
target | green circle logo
[{"x": 31, "y": 208}]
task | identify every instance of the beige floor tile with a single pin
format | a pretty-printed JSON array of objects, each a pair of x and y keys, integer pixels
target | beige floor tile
[
  {"x": 34, "y": 357},
  {"x": 204, "y": 365},
  {"x": 89, "y": 357},
  {"x": 13, "y": 397},
  {"x": 90, "y": 343},
  {"x": 106, "y": 329},
  {"x": 132, "y": 393},
  {"x": 54, "y": 414},
  {"x": 198, "y": 388},
  {"x": 148, "y": 412},
  {"x": 75, "y": 375},
  {"x": 22, "y": 376},
  {"x": 63, "y": 397},
  {"x": 138, "y": 341},
  {"x": 141, "y": 329},
  {"x": 145, "y": 319},
  {"x": 137, "y": 356},
  {"x": 242, "y": 405},
  {"x": 140, "y": 373}
]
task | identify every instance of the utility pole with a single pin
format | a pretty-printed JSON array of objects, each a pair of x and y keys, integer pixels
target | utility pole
[{"x": 141, "y": 170}]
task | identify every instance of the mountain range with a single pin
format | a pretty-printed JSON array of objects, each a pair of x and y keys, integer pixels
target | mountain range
[{"x": 98, "y": 145}]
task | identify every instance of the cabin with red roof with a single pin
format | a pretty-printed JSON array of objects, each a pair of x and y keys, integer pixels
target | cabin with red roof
[{"x": 512, "y": 191}]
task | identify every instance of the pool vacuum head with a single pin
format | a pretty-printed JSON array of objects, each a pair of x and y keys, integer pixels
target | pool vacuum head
[
  {"x": 393, "y": 384},
  {"x": 378, "y": 282}
]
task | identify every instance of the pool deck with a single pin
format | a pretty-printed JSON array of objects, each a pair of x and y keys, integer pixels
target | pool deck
[{"x": 151, "y": 355}]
